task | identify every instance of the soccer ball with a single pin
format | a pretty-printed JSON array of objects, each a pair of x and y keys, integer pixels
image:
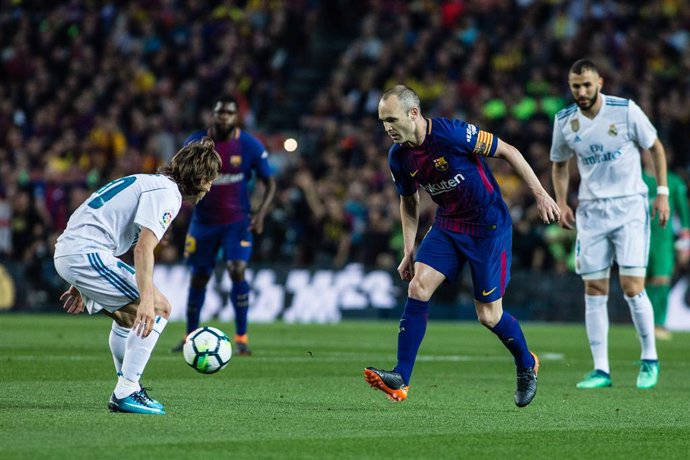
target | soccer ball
[{"x": 207, "y": 350}]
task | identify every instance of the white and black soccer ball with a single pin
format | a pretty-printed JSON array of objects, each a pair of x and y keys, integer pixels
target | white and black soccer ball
[{"x": 207, "y": 350}]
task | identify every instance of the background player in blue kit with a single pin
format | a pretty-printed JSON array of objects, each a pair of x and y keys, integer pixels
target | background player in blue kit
[
  {"x": 472, "y": 225},
  {"x": 223, "y": 219}
]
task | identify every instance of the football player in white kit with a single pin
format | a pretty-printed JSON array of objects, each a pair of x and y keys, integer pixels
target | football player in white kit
[
  {"x": 605, "y": 134},
  {"x": 131, "y": 211}
]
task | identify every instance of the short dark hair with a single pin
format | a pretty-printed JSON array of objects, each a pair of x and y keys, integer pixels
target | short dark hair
[
  {"x": 582, "y": 65},
  {"x": 225, "y": 99},
  {"x": 406, "y": 95},
  {"x": 193, "y": 165}
]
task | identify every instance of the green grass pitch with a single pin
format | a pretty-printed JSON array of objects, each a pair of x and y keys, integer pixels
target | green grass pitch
[{"x": 302, "y": 395}]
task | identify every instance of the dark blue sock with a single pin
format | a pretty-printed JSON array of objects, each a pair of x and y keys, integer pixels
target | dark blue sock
[
  {"x": 239, "y": 295},
  {"x": 510, "y": 333},
  {"x": 195, "y": 300},
  {"x": 410, "y": 335}
]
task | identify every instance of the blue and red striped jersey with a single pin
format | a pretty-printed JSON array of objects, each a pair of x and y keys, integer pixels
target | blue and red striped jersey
[
  {"x": 450, "y": 165},
  {"x": 228, "y": 199}
]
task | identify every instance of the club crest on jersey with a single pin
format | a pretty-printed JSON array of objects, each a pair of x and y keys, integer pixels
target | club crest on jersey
[
  {"x": 235, "y": 160},
  {"x": 613, "y": 131},
  {"x": 440, "y": 163},
  {"x": 575, "y": 125},
  {"x": 166, "y": 218}
]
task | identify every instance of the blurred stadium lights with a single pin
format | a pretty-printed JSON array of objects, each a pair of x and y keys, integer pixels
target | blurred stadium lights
[{"x": 290, "y": 144}]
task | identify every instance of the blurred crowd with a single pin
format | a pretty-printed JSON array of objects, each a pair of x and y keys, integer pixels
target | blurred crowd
[{"x": 91, "y": 91}]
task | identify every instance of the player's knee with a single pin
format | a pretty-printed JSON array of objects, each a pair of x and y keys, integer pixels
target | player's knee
[
  {"x": 631, "y": 283},
  {"x": 417, "y": 290},
  {"x": 658, "y": 281},
  {"x": 488, "y": 318},
  {"x": 199, "y": 281},
  {"x": 489, "y": 314},
  {"x": 632, "y": 289},
  {"x": 125, "y": 316},
  {"x": 596, "y": 287},
  {"x": 236, "y": 270},
  {"x": 486, "y": 321},
  {"x": 237, "y": 275}
]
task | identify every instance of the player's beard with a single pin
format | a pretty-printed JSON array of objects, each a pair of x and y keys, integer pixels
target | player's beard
[
  {"x": 589, "y": 103},
  {"x": 223, "y": 131}
]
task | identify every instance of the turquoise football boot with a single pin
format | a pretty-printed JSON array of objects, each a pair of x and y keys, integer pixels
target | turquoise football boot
[
  {"x": 649, "y": 373},
  {"x": 595, "y": 379}
]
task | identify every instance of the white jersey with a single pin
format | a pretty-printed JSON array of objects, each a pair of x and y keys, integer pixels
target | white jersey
[
  {"x": 607, "y": 148},
  {"x": 112, "y": 217}
]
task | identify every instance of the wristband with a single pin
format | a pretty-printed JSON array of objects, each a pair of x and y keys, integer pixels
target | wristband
[{"x": 662, "y": 190}]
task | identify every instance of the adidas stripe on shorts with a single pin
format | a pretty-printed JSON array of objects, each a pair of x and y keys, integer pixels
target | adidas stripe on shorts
[{"x": 104, "y": 281}]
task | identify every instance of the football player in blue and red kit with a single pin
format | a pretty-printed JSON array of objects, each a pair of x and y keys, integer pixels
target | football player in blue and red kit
[
  {"x": 223, "y": 220},
  {"x": 447, "y": 159}
]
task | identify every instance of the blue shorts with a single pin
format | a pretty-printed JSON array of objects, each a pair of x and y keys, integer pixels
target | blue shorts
[
  {"x": 204, "y": 241},
  {"x": 489, "y": 259}
]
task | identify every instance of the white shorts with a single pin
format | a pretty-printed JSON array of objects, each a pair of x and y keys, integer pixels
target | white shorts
[
  {"x": 104, "y": 281},
  {"x": 612, "y": 229}
]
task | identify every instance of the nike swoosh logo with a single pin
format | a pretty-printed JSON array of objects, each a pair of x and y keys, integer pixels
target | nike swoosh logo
[
  {"x": 414, "y": 173},
  {"x": 486, "y": 293},
  {"x": 139, "y": 406}
]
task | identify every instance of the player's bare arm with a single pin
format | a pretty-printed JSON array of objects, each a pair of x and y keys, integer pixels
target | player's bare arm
[
  {"x": 409, "y": 217},
  {"x": 143, "y": 263},
  {"x": 257, "y": 222},
  {"x": 660, "y": 206},
  {"x": 546, "y": 207},
  {"x": 560, "y": 174}
]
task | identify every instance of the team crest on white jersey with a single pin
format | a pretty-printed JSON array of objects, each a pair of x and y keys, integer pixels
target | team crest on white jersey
[
  {"x": 440, "y": 163},
  {"x": 575, "y": 125},
  {"x": 613, "y": 131}
]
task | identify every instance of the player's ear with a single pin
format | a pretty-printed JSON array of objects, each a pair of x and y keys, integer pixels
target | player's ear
[{"x": 414, "y": 112}]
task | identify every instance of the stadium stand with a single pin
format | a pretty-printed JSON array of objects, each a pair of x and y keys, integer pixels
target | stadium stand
[{"x": 91, "y": 91}]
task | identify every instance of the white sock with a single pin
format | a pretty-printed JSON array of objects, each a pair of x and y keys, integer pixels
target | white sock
[
  {"x": 118, "y": 344},
  {"x": 643, "y": 318},
  {"x": 139, "y": 351},
  {"x": 597, "y": 325},
  {"x": 125, "y": 387}
]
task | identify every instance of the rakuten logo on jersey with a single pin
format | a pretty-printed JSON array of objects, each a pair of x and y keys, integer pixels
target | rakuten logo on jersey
[
  {"x": 224, "y": 179},
  {"x": 444, "y": 186}
]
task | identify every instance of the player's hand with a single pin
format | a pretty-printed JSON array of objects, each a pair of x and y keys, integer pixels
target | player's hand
[
  {"x": 257, "y": 224},
  {"x": 683, "y": 248},
  {"x": 406, "y": 268},
  {"x": 548, "y": 210},
  {"x": 72, "y": 301},
  {"x": 303, "y": 179},
  {"x": 567, "y": 219},
  {"x": 661, "y": 208},
  {"x": 143, "y": 323}
]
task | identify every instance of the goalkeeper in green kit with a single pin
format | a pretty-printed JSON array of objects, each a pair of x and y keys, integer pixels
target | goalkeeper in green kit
[{"x": 664, "y": 249}]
